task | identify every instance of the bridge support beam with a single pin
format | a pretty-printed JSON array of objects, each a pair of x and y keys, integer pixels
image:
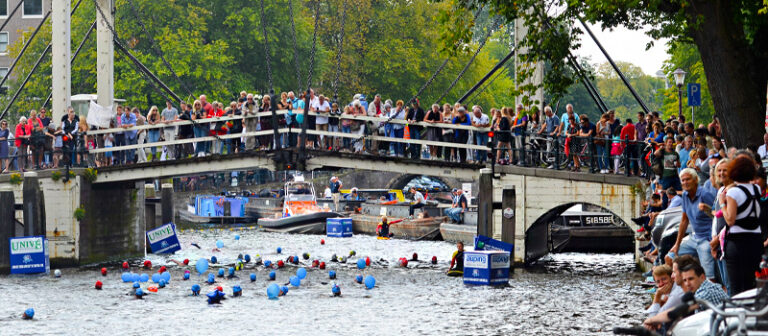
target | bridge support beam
[
  {"x": 166, "y": 203},
  {"x": 7, "y": 228},
  {"x": 34, "y": 220},
  {"x": 485, "y": 203},
  {"x": 105, "y": 55},
  {"x": 61, "y": 70},
  {"x": 508, "y": 204}
]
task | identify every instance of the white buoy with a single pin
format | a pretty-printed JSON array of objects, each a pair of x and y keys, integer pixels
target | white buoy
[{"x": 57, "y": 273}]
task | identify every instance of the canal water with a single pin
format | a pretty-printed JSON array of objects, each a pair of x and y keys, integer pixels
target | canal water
[{"x": 574, "y": 294}]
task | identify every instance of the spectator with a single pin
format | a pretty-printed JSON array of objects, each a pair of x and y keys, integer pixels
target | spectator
[
  {"x": 587, "y": 130},
  {"x": 762, "y": 151},
  {"x": 265, "y": 141},
  {"x": 375, "y": 109},
  {"x": 641, "y": 127},
  {"x": 396, "y": 129},
  {"x": 186, "y": 131},
  {"x": 37, "y": 138},
  {"x": 629, "y": 137},
  {"x": 458, "y": 207},
  {"x": 207, "y": 107},
  {"x": 119, "y": 137},
  {"x": 603, "y": 146},
  {"x": 668, "y": 293},
  {"x": 656, "y": 137},
  {"x": 617, "y": 149},
  {"x": 518, "y": 126},
  {"x": 333, "y": 125},
  {"x": 741, "y": 211},
  {"x": 141, "y": 135},
  {"x": 414, "y": 116},
  {"x": 252, "y": 120},
  {"x": 201, "y": 129},
  {"x": 718, "y": 147},
  {"x": 58, "y": 146},
  {"x": 295, "y": 107},
  {"x": 696, "y": 212},
  {"x": 448, "y": 133},
  {"x": 533, "y": 122},
  {"x": 283, "y": 120},
  {"x": 218, "y": 128},
  {"x": 670, "y": 163},
  {"x": 418, "y": 202},
  {"x": 551, "y": 127},
  {"x": 480, "y": 119},
  {"x": 721, "y": 179},
  {"x": 21, "y": 137},
  {"x": 169, "y": 115},
  {"x": 129, "y": 120},
  {"x": 323, "y": 110},
  {"x": 69, "y": 129},
  {"x": 335, "y": 187},
  {"x": 461, "y": 135},
  {"x": 346, "y": 126},
  {"x": 505, "y": 136},
  {"x": 685, "y": 150},
  {"x": 565, "y": 119},
  {"x": 4, "y": 150},
  {"x": 236, "y": 126},
  {"x": 675, "y": 200},
  {"x": 153, "y": 134}
]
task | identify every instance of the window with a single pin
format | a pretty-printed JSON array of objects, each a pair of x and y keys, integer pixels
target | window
[
  {"x": 33, "y": 9},
  {"x": 3, "y": 9},
  {"x": 3, "y": 43},
  {"x": 3, "y": 72}
]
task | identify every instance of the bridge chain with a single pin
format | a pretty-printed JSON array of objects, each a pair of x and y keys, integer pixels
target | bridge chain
[
  {"x": 295, "y": 46},
  {"x": 338, "y": 54},
  {"x": 266, "y": 47}
]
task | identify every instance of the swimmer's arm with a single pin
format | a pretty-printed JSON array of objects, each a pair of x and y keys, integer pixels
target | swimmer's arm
[{"x": 395, "y": 222}]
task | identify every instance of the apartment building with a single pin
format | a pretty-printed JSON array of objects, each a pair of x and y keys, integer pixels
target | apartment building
[{"x": 27, "y": 17}]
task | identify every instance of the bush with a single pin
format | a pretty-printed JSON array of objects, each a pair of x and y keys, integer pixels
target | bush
[
  {"x": 56, "y": 176},
  {"x": 16, "y": 179},
  {"x": 79, "y": 213},
  {"x": 91, "y": 174}
]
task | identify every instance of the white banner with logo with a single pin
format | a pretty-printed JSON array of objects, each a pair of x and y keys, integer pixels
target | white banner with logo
[{"x": 99, "y": 115}]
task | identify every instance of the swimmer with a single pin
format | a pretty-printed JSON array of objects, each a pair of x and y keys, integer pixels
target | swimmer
[
  {"x": 457, "y": 261},
  {"x": 383, "y": 229}
]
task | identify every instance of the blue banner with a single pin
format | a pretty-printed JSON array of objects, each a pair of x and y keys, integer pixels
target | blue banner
[
  {"x": 29, "y": 255},
  {"x": 490, "y": 244},
  {"x": 163, "y": 239}
]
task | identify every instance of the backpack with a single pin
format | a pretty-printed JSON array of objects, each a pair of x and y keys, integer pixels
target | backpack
[{"x": 752, "y": 220}]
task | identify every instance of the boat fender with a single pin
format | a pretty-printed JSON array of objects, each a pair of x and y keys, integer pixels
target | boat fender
[{"x": 361, "y": 263}]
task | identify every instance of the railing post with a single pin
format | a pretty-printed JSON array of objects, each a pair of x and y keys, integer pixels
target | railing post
[
  {"x": 522, "y": 149},
  {"x": 592, "y": 150},
  {"x": 625, "y": 154},
  {"x": 557, "y": 151}
]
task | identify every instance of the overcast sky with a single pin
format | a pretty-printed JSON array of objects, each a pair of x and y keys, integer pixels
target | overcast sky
[{"x": 624, "y": 45}]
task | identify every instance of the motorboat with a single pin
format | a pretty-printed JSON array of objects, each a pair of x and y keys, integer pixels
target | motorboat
[
  {"x": 300, "y": 212},
  {"x": 212, "y": 209},
  {"x": 583, "y": 231}
]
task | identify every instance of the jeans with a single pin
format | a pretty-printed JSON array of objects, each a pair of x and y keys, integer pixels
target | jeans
[
  {"x": 346, "y": 141},
  {"x": 396, "y": 147},
  {"x": 413, "y": 208},
  {"x": 170, "y": 135},
  {"x": 153, "y": 136},
  {"x": 454, "y": 214},
  {"x": 119, "y": 155},
  {"x": 700, "y": 249},
  {"x": 200, "y": 131},
  {"x": 481, "y": 139},
  {"x": 602, "y": 159},
  {"x": 131, "y": 152},
  {"x": 415, "y": 149},
  {"x": 723, "y": 274}
]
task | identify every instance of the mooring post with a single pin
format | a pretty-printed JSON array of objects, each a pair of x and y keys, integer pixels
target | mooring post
[
  {"x": 31, "y": 201},
  {"x": 485, "y": 203},
  {"x": 508, "y": 203},
  {"x": 166, "y": 203},
  {"x": 7, "y": 228}
]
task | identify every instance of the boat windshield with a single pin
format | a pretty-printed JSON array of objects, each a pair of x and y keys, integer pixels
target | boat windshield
[{"x": 299, "y": 191}]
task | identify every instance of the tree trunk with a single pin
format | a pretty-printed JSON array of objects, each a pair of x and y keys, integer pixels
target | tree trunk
[{"x": 737, "y": 76}]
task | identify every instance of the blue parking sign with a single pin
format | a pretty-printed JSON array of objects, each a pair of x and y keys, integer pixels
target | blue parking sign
[
  {"x": 29, "y": 255},
  {"x": 694, "y": 94},
  {"x": 163, "y": 239}
]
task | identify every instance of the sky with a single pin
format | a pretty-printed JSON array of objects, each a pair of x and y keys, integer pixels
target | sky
[{"x": 624, "y": 45}]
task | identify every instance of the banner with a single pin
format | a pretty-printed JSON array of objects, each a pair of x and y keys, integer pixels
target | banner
[
  {"x": 163, "y": 239},
  {"x": 29, "y": 255},
  {"x": 99, "y": 116}
]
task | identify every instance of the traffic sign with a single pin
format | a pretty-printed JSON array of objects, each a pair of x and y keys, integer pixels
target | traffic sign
[{"x": 694, "y": 94}]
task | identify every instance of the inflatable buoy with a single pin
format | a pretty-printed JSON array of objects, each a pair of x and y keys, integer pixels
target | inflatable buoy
[
  {"x": 367, "y": 261},
  {"x": 156, "y": 278},
  {"x": 219, "y": 244},
  {"x": 370, "y": 281},
  {"x": 359, "y": 279},
  {"x": 135, "y": 277},
  {"x": 57, "y": 273},
  {"x": 272, "y": 275},
  {"x": 361, "y": 263},
  {"x": 103, "y": 271},
  {"x": 273, "y": 291},
  {"x": 279, "y": 250},
  {"x": 301, "y": 273},
  {"x": 332, "y": 275},
  {"x": 382, "y": 238},
  {"x": 125, "y": 265},
  {"x": 195, "y": 290},
  {"x": 144, "y": 277},
  {"x": 152, "y": 289},
  {"x": 98, "y": 285},
  {"x": 253, "y": 277},
  {"x": 322, "y": 265},
  {"x": 237, "y": 291},
  {"x": 280, "y": 264},
  {"x": 147, "y": 264},
  {"x": 434, "y": 260},
  {"x": 322, "y": 241},
  {"x": 415, "y": 257},
  {"x": 237, "y": 237},
  {"x": 186, "y": 261},
  {"x": 336, "y": 290},
  {"x": 201, "y": 266},
  {"x": 295, "y": 281},
  {"x": 29, "y": 314},
  {"x": 126, "y": 277}
]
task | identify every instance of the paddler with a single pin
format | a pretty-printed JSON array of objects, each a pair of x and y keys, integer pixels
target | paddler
[{"x": 457, "y": 261}]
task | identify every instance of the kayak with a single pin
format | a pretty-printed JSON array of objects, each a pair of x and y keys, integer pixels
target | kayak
[
  {"x": 455, "y": 273},
  {"x": 382, "y": 238}
]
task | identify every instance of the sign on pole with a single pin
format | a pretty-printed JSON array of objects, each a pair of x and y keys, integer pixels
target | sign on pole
[
  {"x": 29, "y": 255},
  {"x": 694, "y": 94},
  {"x": 163, "y": 239}
]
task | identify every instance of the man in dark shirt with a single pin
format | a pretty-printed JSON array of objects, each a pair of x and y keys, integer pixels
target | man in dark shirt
[
  {"x": 415, "y": 114},
  {"x": 185, "y": 131}
]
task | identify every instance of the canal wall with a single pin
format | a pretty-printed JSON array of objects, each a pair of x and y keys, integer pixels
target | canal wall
[{"x": 84, "y": 222}]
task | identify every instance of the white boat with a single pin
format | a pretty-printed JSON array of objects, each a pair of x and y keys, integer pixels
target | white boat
[{"x": 300, "y": 214}]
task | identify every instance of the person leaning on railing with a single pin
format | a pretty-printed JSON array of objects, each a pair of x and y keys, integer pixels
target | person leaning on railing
[
  {"x": 504, "y": 136},
  {"x": 551, "y": 126},
  {"x": 433, "y": 133},
  {"x": 4, "y": 150}
]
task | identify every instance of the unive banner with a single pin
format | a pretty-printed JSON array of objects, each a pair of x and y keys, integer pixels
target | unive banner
[
  {"x": 163, "y": 239},
  {"x": 29, "y": 255}
]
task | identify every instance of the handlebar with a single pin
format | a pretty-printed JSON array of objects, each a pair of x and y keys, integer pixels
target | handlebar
[
  {"x": 739, "y": 311},
  {"x": 637, "y": 331}
]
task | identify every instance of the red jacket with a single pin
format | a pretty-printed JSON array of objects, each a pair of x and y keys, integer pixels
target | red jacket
[
  {"x": 628, "y": 132},
  {"x": 22, "y": 130}
]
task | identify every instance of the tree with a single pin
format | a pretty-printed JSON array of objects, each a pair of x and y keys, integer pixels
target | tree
[
  {"x": 686, "y": 56},
  {"x": 731, "y": 37}
]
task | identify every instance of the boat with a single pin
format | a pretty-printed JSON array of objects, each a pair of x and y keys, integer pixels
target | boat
[
  {"x": 211, "y": 209},
  {"x": 582, "y": 231},
  {"x": 300, "y": 212},
  {"x": 464, "y": 232}
]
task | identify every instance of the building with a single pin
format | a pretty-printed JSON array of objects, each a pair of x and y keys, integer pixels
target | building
[{"x": 27, "y": 17}]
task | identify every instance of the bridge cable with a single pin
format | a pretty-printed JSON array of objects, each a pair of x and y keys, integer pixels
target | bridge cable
[
  {"x": 24, "y": 48},
  {"x": 471, "y": 60},
  {"x": 335, "y": 83},
  {"x": 485, "y": 87},
  {"x": 156, "y": 49},
  {"x": 295, "y": 46},
  {"x": 74, "y": 56}
]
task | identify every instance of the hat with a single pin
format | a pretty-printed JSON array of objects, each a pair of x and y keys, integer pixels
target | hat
[
  {"x": 357, "y": 97},
  {"x": 454, "y": 190},
  {"x": 354, "y": 189}
]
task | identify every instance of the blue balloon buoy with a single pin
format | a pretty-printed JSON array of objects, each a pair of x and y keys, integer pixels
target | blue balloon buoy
[
  {"x": 247, "y": 258},
  {"x": 295, "y": 281},
  {"x": 301, "y": 273},
  {"x": 267, "y": 263},
  {"x": 166, "y": 276},
  {"x": 272, "y": 275},
  {"x": 361, "y": 263},
  {"x": 186, "y": 276},
  {"x": 156, "y": 278},
  {"x": 284, "y": 290},
  {"x": 279, "y": 250},
  {"x": 29, "y": 313},
  {"x": 161, "y": 284},
  {"x": 370, "y": 281},
  {"x": 273, "y": 291},
  {"x": 221, "y": 272},
  {"x": 237, "y": 237},
  {"x": 359, "y": 279},
  {"x": 136, "y": 285},
  {"x": 126, "y": 277},
  {"x": 195, "y": 289},
  {"x": 332, "y": 274},
  {"x": 219, "y": 243},
  {"x": 201, "y": 266},
  {"x": 253, "y": 276},
  {"x": 211, "y": 279},
  {"x": 214, "y": 260},
  {"x": 144, "y": 277},
  {"x": 135, "y": 277}
]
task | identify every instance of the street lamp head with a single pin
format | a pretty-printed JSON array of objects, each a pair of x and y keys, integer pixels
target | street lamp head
[{"x": 679, "y": 76}]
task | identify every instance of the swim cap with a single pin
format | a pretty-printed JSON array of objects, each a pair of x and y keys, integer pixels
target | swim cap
[
  {"x": 221, "y": 272},
  {"x": 161, "y": 284},
  {"x": 247, "y": 258},
  {"x": 162, "y": 269},
  {"x": 104, "y": 271},
  {"x": 322, "y": 265},
  {"x": 236, "y": 290},
  {"x": 283, "y": 290},
  {"x": 125, "y": 265},
  {"x": 211, "y": 279},
  {"x": 253, "y": 277},
  {"x": 279, "y": 250},
  {"x": 186, "y": 261},
  {"x": 305, "y": 255},
  {"x": 214, "y": 260},
  {"x": 434, "y": 260},
  {"x": 139, "y": 293},
  {"x": 332, "y": 274},
  {"x": 280, "y": 264},
  {"x": 415, "y": 256},
  {"x": 336, "y": 290},
  {"x": 272, "y": 275},
  {"x": 322, "y": 241},
  {"x": 359, "y": 279},
  {"x": 147, "y": 264},
  {"x": 186, "y": 276},
  {"x": 136, "y": 285},
  {"x": 29, "y": 314},
  {"x": 195, "y": 289},
  {"x": 267, "y": 263},
  {"x": 98, "y": 284},
  {"x": 231, "y": 271},
  {"x": 351, "y": 253}
]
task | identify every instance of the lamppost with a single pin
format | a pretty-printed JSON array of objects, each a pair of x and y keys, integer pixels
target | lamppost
[{"x": 679, "y": 80}]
